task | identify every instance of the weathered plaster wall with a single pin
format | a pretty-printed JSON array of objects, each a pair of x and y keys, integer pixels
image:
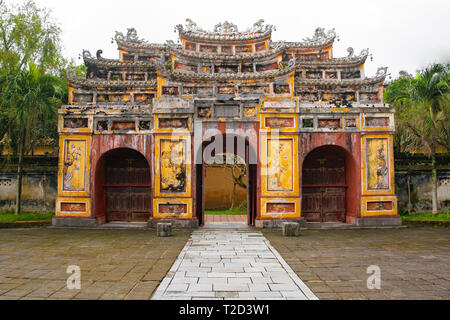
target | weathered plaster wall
[
  {"x": 39, "y": 190},
  {"x": 219, "y": 188},
  {"x": 421, "y": 187}
]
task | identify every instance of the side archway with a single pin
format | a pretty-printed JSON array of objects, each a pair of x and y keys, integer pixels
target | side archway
[
  {"x": 122, "y": 186},
  {"x": 329, "y": 181}
]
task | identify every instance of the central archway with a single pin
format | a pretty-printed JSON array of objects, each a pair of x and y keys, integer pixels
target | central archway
[
  {"x": 123, "y": 185},
  {"x": 230, "y": 145}
]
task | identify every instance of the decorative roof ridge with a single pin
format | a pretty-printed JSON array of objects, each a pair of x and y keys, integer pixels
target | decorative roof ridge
[
  {"x": 319, "y": 39},
  {"x": 226, "y": 56},
  {"x": 131, "y": 40},
  {"x": 350, "y": 59},
  {"x": 232, "y": 76},
  {"x": 224, "y": 31},
  {"x": 115, "y": 62}
]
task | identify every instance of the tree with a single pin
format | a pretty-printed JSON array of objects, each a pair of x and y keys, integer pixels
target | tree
[
  {"x": 423, "y": 114},
  {"x": 28, "y": 34},
  {"x": 28, "y": 103},
  {"x": 238, "y": 172},
  {"x": 30, "y": 91}
]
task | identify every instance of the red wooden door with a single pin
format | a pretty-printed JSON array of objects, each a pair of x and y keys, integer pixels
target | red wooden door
[
  {"x": 323, "y": 189},
  {"x": 127, "y": 187}
]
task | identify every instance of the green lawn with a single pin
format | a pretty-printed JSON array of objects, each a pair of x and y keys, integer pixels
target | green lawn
[
  {"x": 443, "y": 216},
  {"x": 225, "y": 211},
  {"x": 9, "y": 216}
]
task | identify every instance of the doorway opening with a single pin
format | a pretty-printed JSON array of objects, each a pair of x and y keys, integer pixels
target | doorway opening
[
  {"x": 324, "y": 185},
  {"x": 226, "y": 185}
]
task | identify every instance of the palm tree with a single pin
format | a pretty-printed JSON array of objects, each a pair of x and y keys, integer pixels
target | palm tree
[
  {"x": 28, "y": 103},
  {"x": 423, "y": 113}
]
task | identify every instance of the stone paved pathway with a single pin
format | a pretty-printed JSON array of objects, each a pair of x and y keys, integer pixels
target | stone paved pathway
[{"x": 230, "y": 264}]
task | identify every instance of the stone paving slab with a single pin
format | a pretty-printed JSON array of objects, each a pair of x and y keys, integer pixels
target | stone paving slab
[
  {"x": 414, "y": 262},
  {"x": 245, "y": 266},
  {"x": 114, "y": 264},
  {"x": 131, "y": 264}
]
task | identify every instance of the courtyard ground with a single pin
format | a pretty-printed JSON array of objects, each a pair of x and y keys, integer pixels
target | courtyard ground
[
  {"x": 414, "y": 262},
  {"x": 114, "y": 264},
  {"x": 130, "y": 264}
]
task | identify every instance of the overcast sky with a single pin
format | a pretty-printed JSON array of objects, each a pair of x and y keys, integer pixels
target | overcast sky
[{"x": 401, "y": 34}]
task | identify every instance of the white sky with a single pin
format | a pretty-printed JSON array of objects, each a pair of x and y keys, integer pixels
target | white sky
[{"x": 401, "y": 34}]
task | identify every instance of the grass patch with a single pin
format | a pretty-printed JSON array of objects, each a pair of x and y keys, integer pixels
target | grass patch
[
  {"x": 225, "y": 211},
  {"x": 443, "y": 216},
  {"x": 9, "y": 216}
]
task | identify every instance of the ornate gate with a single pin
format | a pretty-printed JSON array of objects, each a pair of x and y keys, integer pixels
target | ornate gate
[
  {"x": 324, "y": 186},
  {"x": 127, "y": 187}
]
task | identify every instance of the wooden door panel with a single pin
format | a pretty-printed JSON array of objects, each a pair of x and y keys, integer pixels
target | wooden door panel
[
  {"x": 311, "y": 204},
  {"x": 324, "y": 168},
  {"x": 117, "y": 203},
  {"x": 333, "y": 205},
  {"x": 126, "y": 199}
]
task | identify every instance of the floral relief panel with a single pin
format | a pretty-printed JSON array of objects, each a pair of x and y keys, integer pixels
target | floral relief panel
[
  {"x": 173, "y": 166},
  {"x": 377, "y": 163},
  {"x": 74, "y": 165},
  {"x": 280, "y": 175}
]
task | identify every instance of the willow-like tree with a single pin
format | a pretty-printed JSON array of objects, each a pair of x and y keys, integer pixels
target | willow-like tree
[
  {"x": 423, "y": 114},
  {"x": 30, "y": 87}
]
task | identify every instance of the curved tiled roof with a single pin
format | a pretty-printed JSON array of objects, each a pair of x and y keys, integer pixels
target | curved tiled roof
[
  {"x": 343, "y": 82},
  {"x": 101, "y": 83},
  {"x": 131, "y": 41},
  {"x": 223, "y": 37},
  {"x": 318, "y": 40},
  {"x": 224, "y": 31},
  {"x": 214, "y": 57},
  {"x": 158, "y": 47},
  {"x": 105, "y": 63},
  {"x": 188, "y": 76},
  {"x": 335, "y": 62}
]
